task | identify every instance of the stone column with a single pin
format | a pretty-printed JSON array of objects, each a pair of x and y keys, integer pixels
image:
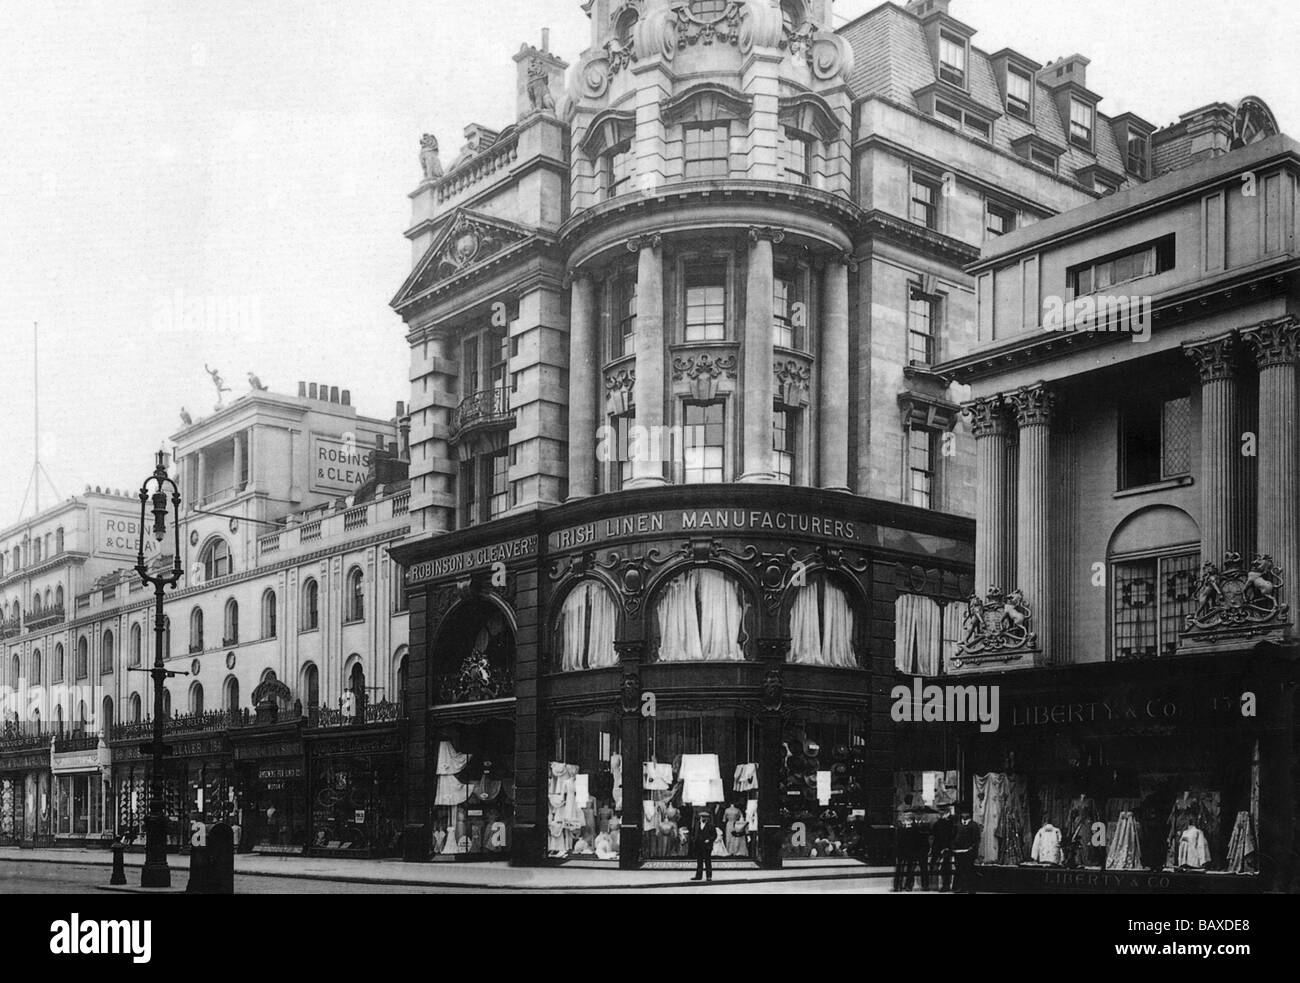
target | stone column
[
  {"x": 202, "y": 491},
  {"x": 756, "y": 348},
  {"x": 584, "y": 371},
  {"x": 235, "y": 482},
  {"x": 1276, "y": 348},
  {"x": 994, "y": 549},
  {"x": 648, "y": 469},
  {"x": 1033, "y": 407},
  {"x": 833, "y": 390},
  {"x": 1220, "y": 445}
]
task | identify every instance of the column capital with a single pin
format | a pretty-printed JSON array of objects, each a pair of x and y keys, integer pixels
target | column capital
[
  {"x": 1275, "y": 342},
  {"x": 575, "y": 275},
  {"x": 1213, "y": 358},
  {"x": 767, "y": 232},
  {"x": 988, "y": 416},
  {"x": 1032, "y": 405},
  {"x": 652, "y": 240}
]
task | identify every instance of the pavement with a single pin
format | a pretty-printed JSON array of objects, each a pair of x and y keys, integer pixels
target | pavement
[{"x": 799, "y": 875}]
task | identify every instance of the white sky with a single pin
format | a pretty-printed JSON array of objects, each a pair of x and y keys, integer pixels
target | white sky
[{"x": 258, "y": 153}]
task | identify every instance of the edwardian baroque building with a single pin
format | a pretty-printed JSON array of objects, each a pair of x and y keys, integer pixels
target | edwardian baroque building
[
  {"x": 1135, "y": 414},
  {"x": 686, "y": 487},
  {"x": 288, "y": 637}
]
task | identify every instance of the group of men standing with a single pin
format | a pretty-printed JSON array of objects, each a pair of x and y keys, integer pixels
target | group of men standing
[{"x": 945, "y": 848}]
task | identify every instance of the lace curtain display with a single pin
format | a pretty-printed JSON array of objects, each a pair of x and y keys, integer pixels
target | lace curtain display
[
  {"x": 587, "y": 622},
  {"x": 918, "y": 635},
  {"x": 700, "y": 618},
  {"x": 821, "y": 627}
]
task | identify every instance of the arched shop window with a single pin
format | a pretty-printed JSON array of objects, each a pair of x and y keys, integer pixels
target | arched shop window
[
  {"x": 822, "y": 625},
  {"x": 823, "y": 781},
  {"x": 584, "y": 631},
  {"x": 926, "y": 633},
  {"x": 475, "y": 655},
  {"x": 700, "y": 616}
]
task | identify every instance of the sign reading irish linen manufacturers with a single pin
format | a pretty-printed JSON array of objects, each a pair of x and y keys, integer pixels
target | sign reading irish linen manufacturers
[
  {"x": 338, "y": 464},
  {"x": 118, "y": 534},
  {"x": 757, "y": 522}
]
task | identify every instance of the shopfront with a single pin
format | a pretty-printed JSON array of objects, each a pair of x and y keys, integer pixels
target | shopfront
[
  {"x": 25, "y": 800},
  {"x": 354, "y": 791},
  {"x": 586, "y": 681},
  {"x": 199, "y": 780},
  {"x": 271, "y": 788},
  {"x": 82, "y": 793}
]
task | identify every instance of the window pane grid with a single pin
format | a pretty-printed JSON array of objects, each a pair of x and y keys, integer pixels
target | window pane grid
[
  {"x": 704, "y": 440},
  {"x": 499, "y": 472},
  {"x": 1176, "y": 441},
  {"x": 783, "y": 444},
  {"x": 706, "y": 312},
  {"x": 923, "y": 203},
  {"x": 1081, "y": 123},
  {"x": 1018, "y": 92},
  {"x": 708, "y": 151},
  {"x": 920, "y": 456},
  {"x": 920, "y": 328},
  {"x": 785, "y": 333}
]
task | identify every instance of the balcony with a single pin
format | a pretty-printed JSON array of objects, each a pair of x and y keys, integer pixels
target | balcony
[
  {"x": 382, "y": 712},
  {"x": 46, "y": 618},
  {"x": 188, "y": 723},
  {"x": 483, "y": 409},
  {"x": 76, "y": 741},
  {"x": 10, "y": 628},
  {"x": 22, "y": 736},
  {"x": 402, "y": 504},
  {"x": 356, "y": 518}
]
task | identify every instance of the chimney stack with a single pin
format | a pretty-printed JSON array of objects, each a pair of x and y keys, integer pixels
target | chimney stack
[
  {"x": 311, "y": 391},
  {"x": 347, "y": 397},
  {"x": 302, "y": 390}
]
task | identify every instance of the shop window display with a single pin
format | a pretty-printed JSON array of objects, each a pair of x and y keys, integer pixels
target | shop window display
[
  {"x": 356, "y": 804},
  {"x": 474, "y": 796},
  {"x": 699, "y": 762},
  {"x": 585, "y": 631},
  {"x": 822, "y": 790},
  {"x": 585, "y": 789},
  {"x": 700, "y": 616}
]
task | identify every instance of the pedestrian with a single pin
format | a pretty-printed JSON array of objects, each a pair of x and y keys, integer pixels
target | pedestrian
[
  {"x": 965, "y": 843},
  {"x": 941, "y": 848},
  {"x": 903, "y": 842},
  {"x": 921, "y": 851},
  {"x": 703, "y": 835}
]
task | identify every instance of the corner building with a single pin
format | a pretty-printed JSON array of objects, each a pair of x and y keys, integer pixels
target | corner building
[{"x": 681, "y": 470}]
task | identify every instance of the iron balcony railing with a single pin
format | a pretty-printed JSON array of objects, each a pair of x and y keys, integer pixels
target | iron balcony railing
[{"x": 486, "y": 407}]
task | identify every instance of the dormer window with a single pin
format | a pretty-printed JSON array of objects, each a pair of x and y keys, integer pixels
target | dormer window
[
  {"x": 1137, "y": 154},
  {"x": 1081, "y": 122},
  {"x": 1020, "y": 89},
  {"x": 952, "y": 59},
  {"x": 1043, "y": 159},
  {"x": 964, "y": 120}
]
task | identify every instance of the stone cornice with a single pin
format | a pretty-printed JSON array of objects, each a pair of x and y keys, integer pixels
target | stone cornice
[{"x": 886, "y": 226}]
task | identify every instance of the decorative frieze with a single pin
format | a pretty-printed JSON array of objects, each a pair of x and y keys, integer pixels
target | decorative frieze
[{"x": 701, "y": 372}]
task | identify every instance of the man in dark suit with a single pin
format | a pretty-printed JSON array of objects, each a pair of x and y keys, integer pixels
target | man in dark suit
[
  {"x": 965, "y": 846},
  {"x": 703, "y": 835},
  {"x": 941, "y": 849}
]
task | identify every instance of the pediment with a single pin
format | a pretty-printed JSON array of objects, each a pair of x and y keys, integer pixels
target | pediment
[{"x": 468, "y": 240}]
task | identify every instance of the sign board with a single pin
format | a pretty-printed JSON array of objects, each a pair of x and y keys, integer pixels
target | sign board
[
  {"x": 118, "y": 534},
  {"x": 475, "y": 559},
  {"x": 339, "y": 465},
  {"x": 712, "y": 522}
]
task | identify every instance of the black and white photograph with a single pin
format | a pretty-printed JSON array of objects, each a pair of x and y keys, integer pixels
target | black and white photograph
[{"x": 651, "y": 447}]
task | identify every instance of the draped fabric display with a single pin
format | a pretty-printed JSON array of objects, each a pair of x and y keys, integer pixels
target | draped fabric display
[
  {"x": 700, "y": 616},
  {"x": 990, "y": 796},
  {"x": 952, "y": 623},
  {"x": 1242, "y": 849},
  {"x": 918, "y": 638},
  {"x": 1199, "y": 808},
  {"x": 1013, "y": 824},
  {"x": 451, "y": 790},
  {"x": 821, "y": 627},
  {"x": 587, "y": 628},
  {"x": 1254, "y": 791},
  {"x": 1125, "y": 844},
  {"x": 1078, "y": 834}
]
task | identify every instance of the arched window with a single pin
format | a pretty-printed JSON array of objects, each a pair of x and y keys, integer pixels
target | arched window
[
  {"x": 310, "y": 606},
  {"x": 83, "y": 657},
  {"x": 700, "y": 616},
  {"x": 232, "y": 694},
  {"x": 81, "y": 716},
  {"x": 216, "y": 559},
  {"x": 356, "y": 597},
  {"x": 58, "y": 663},
  {"x": 231, "y": 629},
  {"x": 584, "y": 633},
  {"x": 106, "y": 716},
  {"x": 58, "y": 597},
  {"x": 401, "y": 674},
  {"x": 196, "y": 630},
  {"x": 16, "y": 612},
  {"x": 708, "y": 10},
  {"x": 18, "y": 557},
  {"x": 137, "y": 645},
  {"x": 58, "y": 540},
  {"x": 167, "y": 702},
  {"x": 36, "y": 667},
  {"x": 15, "y": 670},
  {"x": 196, "y": 697},
  {"x": 135, "y": 708},
  {"x": 106, "y": 654},
  {"x": 268, "y": 614},
  {"x": 58, "y": 718},
  {"x": 309, "y": 685},
  {"x": 821, "y": 626},
  {"x": 49, "y": 598},
  {"x": 36, "y": 605},
  {"x": 357, "y": 686}
]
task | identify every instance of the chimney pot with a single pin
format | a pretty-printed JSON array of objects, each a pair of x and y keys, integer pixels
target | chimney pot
[
  {"x": 302, "y": 390},
  {"x": 347, "y": 397},
  {"x": 334, "y": 394},
  {"x": 311, "y": 391}
]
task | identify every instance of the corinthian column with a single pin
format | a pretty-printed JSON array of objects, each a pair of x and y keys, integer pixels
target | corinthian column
[
  {"x": 584, "y": 357},
  {"x": 1220, "y": 447},
  {"x": 648, "y": 467},
  {"x": 994, "y": 556},
  {"x": 1276, "y": 347},
  {"x": 833, "y": 360},
  {"x": 756, "y": 344},
  {"x": 1033, "y": 407}
]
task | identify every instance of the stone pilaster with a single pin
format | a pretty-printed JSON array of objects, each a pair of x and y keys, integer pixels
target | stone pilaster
[
  {"x": 833, "y": 388},
  {"x": 1276, "y": 348},
  {"x": 1033, "y": 406},
  {"x": 649, "y": 391},
  {"x": 584, "y": 385},
  {"x": 1220, "y": 446},
  {"x": 994, "y": 546},
  {"x": 756, "y": 347}
]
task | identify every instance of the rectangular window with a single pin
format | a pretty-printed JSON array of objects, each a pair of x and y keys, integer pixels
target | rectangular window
[
  {"x": 952, "y": 58},
  {"x": 925, "y": 202},
  {"x": 998, "y": 220},
  {"x": 1141, "y": 261},
  {"x": 706, "y": 304},
  {"x": 1155, "y": 440},
  {"x": 1081, "y": 124},
  {"x": 620, "y": 465},
  {"x": 496, "y": 472},
  {"x": 920, "y": 465},
  {"x": 947, "y": 111},
  {"x": 798, "y": 157},
  {"x": 1019, "y": 93},
  {"x": 788, "y": 316},
  {"x": 708, "y": 151},
  {"x": 1137, "y": 154},
  {"x": 470, "y": 372},
  {"x": 785, "y": 443},
  {"x": 622, "y": 314},
  {"x": 978, "y": 126},
  {"x": 1043, "y": 159},
  {"x": 618, "y": 171},
  {"x": 921, "y": 316},
  {"x": 704, "y": 443},
  {"x": 469, "y": 501},
  {"x": 1152, "y": 599}
]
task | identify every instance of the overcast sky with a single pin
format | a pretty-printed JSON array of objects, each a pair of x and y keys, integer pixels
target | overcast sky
[{"x": 253, "y": 157}]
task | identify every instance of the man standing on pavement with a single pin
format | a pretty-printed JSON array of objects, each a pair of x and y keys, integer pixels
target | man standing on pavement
[
  {"x": 965, "y": 843},
  {"x": 941, "y": 849},
  {"x": 703, "y": 835}
]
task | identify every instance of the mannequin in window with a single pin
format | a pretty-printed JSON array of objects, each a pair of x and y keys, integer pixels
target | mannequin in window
[
  {"x": 734, "y": 829},
  {"x": 1193, "y": 848}
]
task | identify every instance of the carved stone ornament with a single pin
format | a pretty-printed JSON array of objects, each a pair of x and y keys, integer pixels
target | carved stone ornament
[
  {"x": 1032, "y": 405},
  {"x": 831, "y": 56},
  {"x": 656, "y": 35},
  {"x": 994, "y": 625},
  {"x": 773, "y": 690},
  {"x": 652, "y": 241},
  {"x": 702, "y": 372},
  {"x": 1230, "y": 596},
  {"x": 591, "y": 79},
  {"x": 792, "y": 382},
  {"x": 760, "y": 26},
  {"x": 722, "y": 27},
  {"x": 1275, "y": 343},
  {"x": 776, "y": 235},
  {"x": 620, "y": 391},
  {"x": 987, "y": 416},
  {"x": 629, "y": 693},
  {"x": 430, "y": 163},
  {"x": 539, "y": 86},
  {"x": 1213, "y": 358}
]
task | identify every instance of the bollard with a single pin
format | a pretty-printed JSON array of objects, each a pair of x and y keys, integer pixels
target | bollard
[
  {"x": 220, "y": 859},
  {"x": 119, "y": 862}
]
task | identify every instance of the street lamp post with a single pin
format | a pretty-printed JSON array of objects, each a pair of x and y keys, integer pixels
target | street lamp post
[{"x": 156, "y": 872}]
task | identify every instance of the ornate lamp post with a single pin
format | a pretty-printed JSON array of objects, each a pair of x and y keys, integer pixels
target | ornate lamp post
[{"x": 155, "y": 872}]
